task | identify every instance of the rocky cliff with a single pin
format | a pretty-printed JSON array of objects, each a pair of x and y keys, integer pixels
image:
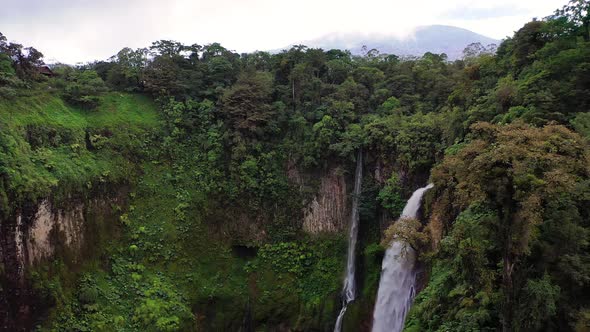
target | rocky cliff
[
  {"x": 329, "y": 208},
  {"x": 38, "y": 233}
]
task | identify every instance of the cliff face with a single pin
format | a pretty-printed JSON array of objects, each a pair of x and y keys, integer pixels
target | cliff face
[
  {"x": 37, "y": 233},
  {"x": 50, "y": 225},
  {"x": 15, "y": 301},
  {"x": 324, "y": 206},
  {"x": 320, "y": 203},
  {"x": 329, "y": 209}
]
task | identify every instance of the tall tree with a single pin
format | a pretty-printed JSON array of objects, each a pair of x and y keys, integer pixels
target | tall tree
[{"x": 247, "y": 104}]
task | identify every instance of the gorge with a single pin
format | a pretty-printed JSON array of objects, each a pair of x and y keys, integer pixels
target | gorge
[{"x": 188, "y": 187}]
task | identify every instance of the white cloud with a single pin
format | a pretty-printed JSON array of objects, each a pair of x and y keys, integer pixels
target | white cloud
[{"x": 73, "y": 31}]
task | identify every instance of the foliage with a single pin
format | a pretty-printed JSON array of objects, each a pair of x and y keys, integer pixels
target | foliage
[
  {"x": 162, "y": 309},
  {"x": 582, "y": 124},
  {"x": 521, "y": 175},
  {"x": 390, "y": 196},
  {"x": 408, "y": 230},
  {"x": 246, "y": 104},
  {"x": 228, "y": 156},
  {"x": 286, "y": 257},
  {"x": 309, "y": 270},
  {"x": 81, "y": 88},
  {"x": 24, "y": 60},
  {"x": 43, "y": 144}
]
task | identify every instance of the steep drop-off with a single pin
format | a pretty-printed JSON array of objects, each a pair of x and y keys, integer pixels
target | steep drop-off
[
  {"x": 65, "y": 173},
  {"x": 40, "y": 233}
]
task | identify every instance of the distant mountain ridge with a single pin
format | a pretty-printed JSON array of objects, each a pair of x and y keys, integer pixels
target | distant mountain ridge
[{"x": 433, "y": 38}]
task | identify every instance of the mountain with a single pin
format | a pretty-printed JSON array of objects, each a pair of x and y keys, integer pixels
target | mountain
[{"x": 433, "y": 38}]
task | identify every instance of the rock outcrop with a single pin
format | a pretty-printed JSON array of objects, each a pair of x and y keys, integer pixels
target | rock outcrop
[
  {"x": 329, "y": 209},
  {"x": 37, "y": 233}
]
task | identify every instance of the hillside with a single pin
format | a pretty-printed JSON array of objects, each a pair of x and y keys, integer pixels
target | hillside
[{"x": 191, "y": 188}]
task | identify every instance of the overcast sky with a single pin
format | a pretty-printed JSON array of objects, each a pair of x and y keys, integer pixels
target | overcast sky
[{"x": 83, "y": 30}]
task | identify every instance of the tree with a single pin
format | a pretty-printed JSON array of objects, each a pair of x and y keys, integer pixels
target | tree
[
  {"x": 338, "y": 70},
  {"x": 526, "y": 42},
  {"x": 578, "y": 13},
  {"x": 409, "y": 231},
  {"x": 6, "y": 69},
  {"x": 390, "y": 196},
  {"x": 582, "y": 124},
  {"x": 257, "y": 61},
  {"x": 247, "y": 105},
  {"x": 476, "y": 50},
  {"x": 162, "y": 309},
  {"x": 220, "y": 69},
  {"x": 389, "y": 107},
  {"x": 8, "y": 79},
  {"x": 25, "y": 59},
  {"x": 126, "y": 72},
  {"x": 515, "y": 171},
  {"x": 167, "y": 48},
  {"x": 369, "y": 77},
  {"x": 3, "y": 42},
  {"x": 163, "y": 76},
  {"x": 81, "y": 87}
]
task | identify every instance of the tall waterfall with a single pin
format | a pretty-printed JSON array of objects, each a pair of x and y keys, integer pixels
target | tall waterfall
[
  {"x": 397, "y": 286},
  {"x": 349, "y": 289}
]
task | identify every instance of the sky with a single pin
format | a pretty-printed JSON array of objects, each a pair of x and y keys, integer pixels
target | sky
[{"x": 73, "y": 31}]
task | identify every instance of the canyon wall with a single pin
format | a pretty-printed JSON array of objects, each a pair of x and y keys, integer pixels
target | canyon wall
[
  {"x": 328, "y": 210},
  {"x": 38, "y": 233}
]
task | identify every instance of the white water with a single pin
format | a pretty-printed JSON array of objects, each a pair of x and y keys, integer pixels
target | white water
[
  {"x": 397, "y": 286},
  {"x": 349, "y": 289}
]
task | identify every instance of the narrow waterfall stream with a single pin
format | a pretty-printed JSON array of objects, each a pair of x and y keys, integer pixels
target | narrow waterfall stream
[
  {"x": 349, "y": 289},
  {"x": 397, "y": 286}
]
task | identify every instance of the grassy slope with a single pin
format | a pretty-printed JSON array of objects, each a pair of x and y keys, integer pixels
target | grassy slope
[
  {"x": 116, "y": 109},
  {"x": 43, "y": 141}
]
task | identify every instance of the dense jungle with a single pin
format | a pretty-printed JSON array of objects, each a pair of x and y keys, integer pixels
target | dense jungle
[{"x": 191, "y": 188}]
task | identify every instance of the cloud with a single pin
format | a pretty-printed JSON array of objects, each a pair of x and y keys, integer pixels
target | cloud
[
  {"x": 474, "y": 13},
  {"x": 85, "y": 30}
]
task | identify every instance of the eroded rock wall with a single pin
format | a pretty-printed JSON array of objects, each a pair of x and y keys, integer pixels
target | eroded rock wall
[
  {"x": 329, "y": 209},
  {"x": 51, "y": 225},
  {"x": 40, "y": 232}
]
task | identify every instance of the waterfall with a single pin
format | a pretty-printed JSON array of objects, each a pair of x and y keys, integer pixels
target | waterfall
[
  {"x": 397, "y": 286},
  {"x": 349, "y": 289}
]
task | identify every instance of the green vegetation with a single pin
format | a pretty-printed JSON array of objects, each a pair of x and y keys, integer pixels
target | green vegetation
[
  {"x": 217, "y": 156},
  {"x": 48, "y": 145},
  {"x": 390, "y": 196},
  {"x": 504, "y": 258}
]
